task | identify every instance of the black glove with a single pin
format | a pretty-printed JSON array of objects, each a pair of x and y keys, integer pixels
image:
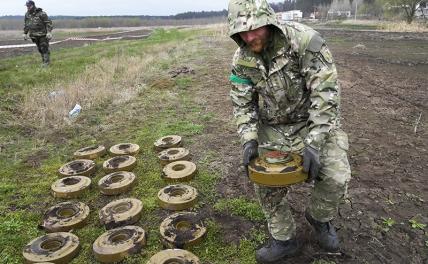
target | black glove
[
  {"x": 250, "y": 152},
  {"x": 311, "y": 163}
]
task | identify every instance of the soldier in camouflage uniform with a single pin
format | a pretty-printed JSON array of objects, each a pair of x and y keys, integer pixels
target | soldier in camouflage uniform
[
  {"x": 286, "y": 97},
  {"x": 39, "y": 27}
]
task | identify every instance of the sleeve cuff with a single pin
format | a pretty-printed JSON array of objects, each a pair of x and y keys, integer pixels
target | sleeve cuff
[
  {"x": 249, "y": 136},
  {"x": 315, "y": 141}
]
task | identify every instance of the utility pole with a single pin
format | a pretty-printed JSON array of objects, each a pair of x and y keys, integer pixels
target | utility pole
[{"x": 356, "y": 8}]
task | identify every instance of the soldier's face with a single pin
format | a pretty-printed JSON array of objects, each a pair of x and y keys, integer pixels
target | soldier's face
[
  {"x": 29, "y": 7},
  {"x": 256, "y": 39}
]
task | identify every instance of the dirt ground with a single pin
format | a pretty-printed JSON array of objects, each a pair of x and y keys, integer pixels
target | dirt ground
[{"x": 384, "y": 80}]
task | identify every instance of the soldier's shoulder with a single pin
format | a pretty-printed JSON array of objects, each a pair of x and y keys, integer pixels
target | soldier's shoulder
[
  {"x": 40, "y": 12},
  {"x": 303, "y": 37},
  {"x": 244, "y": 58}
]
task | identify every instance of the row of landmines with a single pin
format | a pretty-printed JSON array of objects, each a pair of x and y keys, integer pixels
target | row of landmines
[{"x": 178, "y": 231}]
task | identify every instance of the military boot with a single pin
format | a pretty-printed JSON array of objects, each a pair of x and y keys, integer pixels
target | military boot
[
  {"x": 276, "y": 250},
  {"x": 46, "y": 59},
  {"x": 325, "y": 233}
]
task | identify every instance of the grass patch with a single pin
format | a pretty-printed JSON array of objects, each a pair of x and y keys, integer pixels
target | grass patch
[
  {"x": 214, "y": 250},
  {"x": 24, "y": 71},
  {"x": 404, "y": 27},
  {"x": 183, "y": 82},
  {"x": 115, "y": 82},
  {"x": 240, "y": 207},
  {"x": 11, "y": 225}
]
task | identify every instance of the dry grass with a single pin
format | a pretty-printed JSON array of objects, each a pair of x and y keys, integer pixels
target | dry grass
[
  {"x": 113, "y": 80},
  {"x": 220, "y": 29},
  {"x": 218, "y": 33},
  {"x": 360, "y": 22},
  {"x": 404, "y": 27}
]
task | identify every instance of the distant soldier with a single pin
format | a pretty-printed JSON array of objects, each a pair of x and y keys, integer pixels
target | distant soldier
[
  {"x": 39, "y": 27},
  {"x": 286, "y": 97}
]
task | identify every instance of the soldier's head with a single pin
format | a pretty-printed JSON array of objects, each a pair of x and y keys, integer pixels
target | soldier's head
[
  {"x": 30, "y": 5},
  {"x": 250, "y": 23}
]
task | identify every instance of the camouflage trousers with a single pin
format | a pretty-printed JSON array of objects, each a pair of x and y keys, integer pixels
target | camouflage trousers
[
  {"x": 42, "y": 44},
  {"x": 329, "y": 189}
]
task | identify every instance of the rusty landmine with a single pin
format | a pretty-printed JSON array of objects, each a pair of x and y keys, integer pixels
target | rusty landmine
[
  {"x": 120, "y": 163},
  {"x": 65, "y": 216},
  {"x": 172, "y": 141},
  {"x": 182, "y": 230},
  {"x": 121, "y": 212},
  {"x": 59, "y": 247},
  {"x": 91, "y": 152},
  {"x": 177, "y": 197},
  {"x": 277, "y": 169},
  {"x": 179, "y": 171},
  {"x": 70, "y": 187},
  {"x": 117, "y": 182},
  {"x": 124, "y": 149},
  {"x": 174, "y": 256},
  {"x": 80, "y": 167},
  {"x": 173, "y": 154},
  {"x": 116, "y": 244}
]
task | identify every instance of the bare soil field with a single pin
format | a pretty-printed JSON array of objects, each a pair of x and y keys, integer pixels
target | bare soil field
[{"x": 385, "y": 108}]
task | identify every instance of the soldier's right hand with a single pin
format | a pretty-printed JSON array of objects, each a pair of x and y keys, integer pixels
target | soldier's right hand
[
  {"x": 250, "y": 152},
  {"x": 25, "y": 36}
]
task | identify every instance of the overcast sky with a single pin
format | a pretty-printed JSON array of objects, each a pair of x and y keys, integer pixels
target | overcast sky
[{"x": 113, "y": 7}]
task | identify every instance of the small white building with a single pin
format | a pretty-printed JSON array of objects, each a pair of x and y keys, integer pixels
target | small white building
[
  {"x": 292, "y": 15},
  {"x": 422, "y": 10}
]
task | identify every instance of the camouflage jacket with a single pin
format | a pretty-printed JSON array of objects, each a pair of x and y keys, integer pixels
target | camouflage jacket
[
  {"x": 37, "y": 23},
  {"x": 293, "y": 81}
]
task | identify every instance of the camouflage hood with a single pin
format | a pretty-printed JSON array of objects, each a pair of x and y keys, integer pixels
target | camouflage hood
[
  {"x": 245, "y": 15},
  {"x": 35, "y": 10}
]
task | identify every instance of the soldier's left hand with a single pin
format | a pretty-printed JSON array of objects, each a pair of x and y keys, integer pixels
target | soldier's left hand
[
  {"x": 49, "y": 35},
  {"x": 311, "y": 163}
]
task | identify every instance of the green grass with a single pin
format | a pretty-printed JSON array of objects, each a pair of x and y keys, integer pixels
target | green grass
[
  {"x": 183, "y": 82},
  {"x": 415, "y": 224},
  {"x": 387, "y": 223},
  {"x": 240, "y": 207},
  {"x": 153, "y": 113},
  {"x": 214, "y": 250},
  {"x": 25, "y": 71}
]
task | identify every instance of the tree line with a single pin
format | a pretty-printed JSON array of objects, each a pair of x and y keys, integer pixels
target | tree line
[{"x": 203, "y": 17}]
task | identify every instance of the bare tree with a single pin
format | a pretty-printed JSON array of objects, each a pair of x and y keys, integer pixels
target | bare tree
[{"x": 408, "y": 7}]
